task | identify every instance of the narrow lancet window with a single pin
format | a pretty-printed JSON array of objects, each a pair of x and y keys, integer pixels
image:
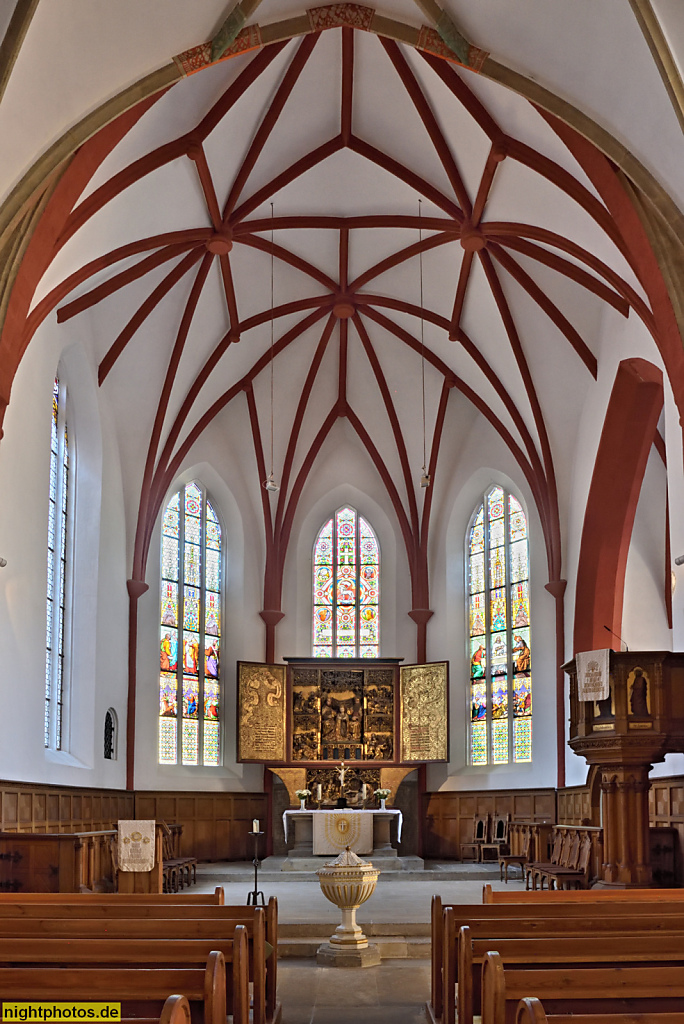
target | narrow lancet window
[
  {"x": 57, "y": 569},
  {"x": 499, "y": 632},
  {"x": 190, "y": 641},
  {"x": 346, "y": 588}
]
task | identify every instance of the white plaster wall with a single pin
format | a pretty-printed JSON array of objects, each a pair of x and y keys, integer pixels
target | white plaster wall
[
  {"x": 476, "y": 459},
  {"x": 619, "y": 339},
  {"x": 95, "y": 674}
]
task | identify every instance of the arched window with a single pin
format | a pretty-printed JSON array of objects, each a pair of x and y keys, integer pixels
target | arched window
[
  {"x": 58, "y": 570},
  {"x": 110, "y": 737},
  {"x": 189, "y": 689},
  {"x": 499, "y": 632},
  {"x": 346, "y": 588}
]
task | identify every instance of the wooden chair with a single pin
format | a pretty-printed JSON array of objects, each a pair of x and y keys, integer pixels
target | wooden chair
[
  {"x": 576, "y": 874},
  {"x": 480, "y": 837},
  {"x": 506, "y": 860},
  {"x": 499, "y": 838},
  {"x": 180, "y": 870},
  {"x": 533, "y": 869}
]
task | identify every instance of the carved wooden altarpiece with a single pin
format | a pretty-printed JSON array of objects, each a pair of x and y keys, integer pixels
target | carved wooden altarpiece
[{"x": 374, "y": 715}]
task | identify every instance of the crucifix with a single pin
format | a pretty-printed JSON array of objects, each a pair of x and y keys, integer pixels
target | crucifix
[{"x": 341, "y": 771}]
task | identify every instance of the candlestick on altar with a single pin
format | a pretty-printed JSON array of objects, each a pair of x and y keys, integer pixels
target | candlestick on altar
[{"x": 319, "y": 793}]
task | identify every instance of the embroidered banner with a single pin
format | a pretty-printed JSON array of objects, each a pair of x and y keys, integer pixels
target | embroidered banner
[
  {"x": 136, "y": 845},
  {"x": 335, "y": 830},
  {"x": 593, "y": 673}
]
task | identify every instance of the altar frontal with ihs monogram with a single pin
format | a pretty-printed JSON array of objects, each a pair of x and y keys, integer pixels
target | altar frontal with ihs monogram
[
  {"x": 321, "y": 710},
  {"x": 334, "y": 831}
]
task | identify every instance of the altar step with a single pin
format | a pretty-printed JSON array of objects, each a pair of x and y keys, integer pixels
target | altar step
[
  {"x": 394, "y": 941},
  {"x": 211, "y": 874}
]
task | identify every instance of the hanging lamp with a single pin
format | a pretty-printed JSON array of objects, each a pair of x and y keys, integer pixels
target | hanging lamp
[
  {"x": 425, "y": 476},
  {"x": 270, "y": 483}
]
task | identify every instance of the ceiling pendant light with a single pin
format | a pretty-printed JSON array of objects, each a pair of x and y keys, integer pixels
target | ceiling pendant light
[
  {"x": 425, "y": 476},
  {"x": 270, "y": 483}
]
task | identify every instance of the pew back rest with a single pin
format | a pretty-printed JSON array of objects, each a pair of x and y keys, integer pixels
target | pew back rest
[
  {"x": 206, "y": 985},
  {"x": 600, "y": 989},
  {"x": 216, "y": 898},
  {"x": 555, "y": 896}
]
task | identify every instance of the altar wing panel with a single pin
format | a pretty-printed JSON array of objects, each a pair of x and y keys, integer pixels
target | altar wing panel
[
  {"x": 424, "y": 700},
  {"x": 261, "y": 712}
]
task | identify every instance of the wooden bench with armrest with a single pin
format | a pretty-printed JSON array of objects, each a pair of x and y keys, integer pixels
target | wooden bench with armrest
[
  {"x": 531, "y": 1011},
  {"x": 551, "y": 952},
  {"x": 579, "y": 990},
  {"x": 140, "y": 990},
  {"x": 552, "y": 897},
  {"x": 530, "y": 919}
]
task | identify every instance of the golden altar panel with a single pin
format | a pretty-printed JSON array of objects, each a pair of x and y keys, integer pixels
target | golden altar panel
[
  {"x": 424, "y": 711},
  {"x": 261, "y": 712}
]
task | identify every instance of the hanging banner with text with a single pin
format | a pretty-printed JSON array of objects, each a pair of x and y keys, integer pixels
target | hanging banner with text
[
  {"x": 136, "y": 845},
  {"x": 593, "y": 675}
]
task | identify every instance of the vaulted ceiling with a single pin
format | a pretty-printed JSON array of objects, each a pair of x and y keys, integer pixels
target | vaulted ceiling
[{"x": 362, "y": 230}]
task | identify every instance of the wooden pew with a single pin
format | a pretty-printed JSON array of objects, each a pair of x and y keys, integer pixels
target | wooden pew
[
  {"x": 529, "y": 919},
  {"x": 531, "y": 1011},
  {"x": 554, "y": 896},
  {"x": 652, "y": 989},
  {"x": 176, "y": 1010},
  {"x": 135, "y": 952},
  {"x": 80, "y": 920},
  {"x": 215, "y": 898},
  {"x": 137, "y": 987},
  {"x": 560, "y": 951}
]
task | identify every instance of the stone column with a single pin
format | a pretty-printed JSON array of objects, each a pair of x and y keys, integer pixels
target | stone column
[{"x": 608, "y": 790}]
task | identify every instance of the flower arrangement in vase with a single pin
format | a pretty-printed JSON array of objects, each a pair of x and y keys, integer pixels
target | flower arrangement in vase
[
  {"x": 382, "y": 795},
  {"x": 302, "y": 795}
]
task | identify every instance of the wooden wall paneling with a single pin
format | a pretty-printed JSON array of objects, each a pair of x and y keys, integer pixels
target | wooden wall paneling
[
  {"x": 215, "y": 826},
  {"x": 666, "y": 810},
  {"x": 449, "y": 815},
  {"x": 28, "y": 807}
]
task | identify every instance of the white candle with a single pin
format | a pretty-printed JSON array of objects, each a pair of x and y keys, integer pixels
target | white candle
[
  {"x": 255, "y": 825},
  {"x": 363, "y": 791},
  {"x": 319, "y": 792}
]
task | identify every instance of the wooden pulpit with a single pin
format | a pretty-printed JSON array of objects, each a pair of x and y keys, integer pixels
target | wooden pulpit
[{"x": 625, "y": 734}]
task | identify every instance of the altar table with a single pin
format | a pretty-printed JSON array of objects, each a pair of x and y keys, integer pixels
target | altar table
[{"x": 309, "y": 839}]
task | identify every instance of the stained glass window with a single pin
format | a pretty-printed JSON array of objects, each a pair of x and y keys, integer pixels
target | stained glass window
[
  {"x": 346, "y": 588},
  {"x": 190, "y": 631},
  {"x": 57, "y": 569},
  {"x": 499, "y": 632}
]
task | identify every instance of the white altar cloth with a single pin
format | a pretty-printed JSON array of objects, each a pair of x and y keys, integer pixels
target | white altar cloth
[{"x": 391, "y": 811}]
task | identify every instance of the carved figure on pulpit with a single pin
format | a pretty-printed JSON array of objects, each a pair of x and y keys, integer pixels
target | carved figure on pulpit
[{"x": 638, "y": 698}]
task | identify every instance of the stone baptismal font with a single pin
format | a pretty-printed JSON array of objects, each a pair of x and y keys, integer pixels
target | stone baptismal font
[{"x": 348, "y": 881}]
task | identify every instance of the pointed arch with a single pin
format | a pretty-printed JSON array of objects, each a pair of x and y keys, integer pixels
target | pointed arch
[
  {"x": 346, "y": 588},
  {"x": 190, "y": 630},
  {"x": 628, "y": 434},
  {"x": 499, "y": 644}
]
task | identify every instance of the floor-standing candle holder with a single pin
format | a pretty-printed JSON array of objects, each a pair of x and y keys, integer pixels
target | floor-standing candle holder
[{"x": 253, "y": 897}]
